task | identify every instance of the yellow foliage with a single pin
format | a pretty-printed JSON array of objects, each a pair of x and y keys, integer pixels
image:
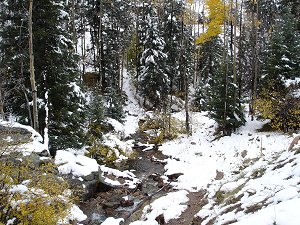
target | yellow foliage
[
  {"x": 217, "y": 14},
  {"x": 44, "y": 200},
  {"x": 161, "y": 127},
  {"x": 282, "y": 109}
]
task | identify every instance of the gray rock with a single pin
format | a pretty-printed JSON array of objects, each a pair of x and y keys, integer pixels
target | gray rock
[
  {"x": 127, "y": 201},
  {"x": 89, "y": 177},
  {"x": 43, "y": 153}
]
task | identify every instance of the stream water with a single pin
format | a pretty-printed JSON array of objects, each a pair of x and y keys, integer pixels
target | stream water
[{"x": 148, "y": 168}]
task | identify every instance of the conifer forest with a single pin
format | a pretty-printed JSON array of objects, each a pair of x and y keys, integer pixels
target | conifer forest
[
  {"x": 215, "y": 55},
  {"x": 70, "y": 68}
]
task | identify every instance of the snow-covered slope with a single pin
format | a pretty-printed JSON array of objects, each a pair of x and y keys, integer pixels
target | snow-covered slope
[{"x": 258, "y": 175}]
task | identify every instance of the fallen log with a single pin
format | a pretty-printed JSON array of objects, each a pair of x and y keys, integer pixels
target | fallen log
[{"x": 294, "y": 142}]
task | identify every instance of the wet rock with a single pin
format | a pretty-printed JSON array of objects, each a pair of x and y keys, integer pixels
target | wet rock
[
  {"x": 44, "y": 153},
  {"x": 174, "y": 176},
  {"x": 219, "y": 175},
  {"x": 89, "y": 177},
  {"x": 139, "y": 186},
  {"x": 112, "y": 205},
  {"x": 160, "y": 183},
  {"x": 127, "y": 201},
  {"x": 160, "y": 219},
  {"x": 244, "y": 153},
  {"x": 155, "y": 176},
  {"x": 92, "y": 188}
]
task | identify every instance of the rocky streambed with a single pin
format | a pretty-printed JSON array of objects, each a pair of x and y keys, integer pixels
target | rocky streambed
[{"x": 125, "y": 201}]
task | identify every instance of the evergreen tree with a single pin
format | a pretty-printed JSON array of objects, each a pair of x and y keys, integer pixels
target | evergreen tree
[
  {"x": 209, "y": 64},
  {"x": 153, "y": 81},
  {"x": 110, "y": 37},
  {"x": 212, "y": 94},
  {"x": 283, "y": 55},
  {"x": 56, "y": 71}
]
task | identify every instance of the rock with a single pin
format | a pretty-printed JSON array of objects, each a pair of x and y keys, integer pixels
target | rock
[
  {"x": 92, "y": 188},
  {"x": 155, "y": 176},
  {"x": 43, "y": 153},
  {"x": 219, "y": 175},
  {"x": 244, "y": 153},
  {"x": 160, "y": 219},
  {"x": 174, "y": 176},
  {"x": 127, "y": 201},
  {"x": 160, "y": 183},
  {"x": 113, "y": 205},
  {"x": 89, "y": 177}
]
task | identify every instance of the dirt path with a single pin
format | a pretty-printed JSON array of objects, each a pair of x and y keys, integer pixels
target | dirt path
[{"x": 196, "y": 202}]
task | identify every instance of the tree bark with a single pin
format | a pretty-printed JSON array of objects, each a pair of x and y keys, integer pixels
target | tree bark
[
  {"x": 2, "y": 115},
  {"x": 32, "y": 75}
]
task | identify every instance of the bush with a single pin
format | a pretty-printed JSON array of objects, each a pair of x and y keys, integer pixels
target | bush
[
  {"x": 30, "y": 195},
  {"x": 161, "y": 127},
  {"x": 282, "y": 107}
]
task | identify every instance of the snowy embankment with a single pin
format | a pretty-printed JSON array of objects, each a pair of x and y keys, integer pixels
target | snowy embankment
[
  {"x": 258, "y": 175},
  {"x": 243, "y": 169}
]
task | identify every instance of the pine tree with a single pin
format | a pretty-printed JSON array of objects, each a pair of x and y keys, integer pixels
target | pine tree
[
  {"x": 153, "y": 81},
  {"x": 110, "y": 35},
  {"x": 209, "y": 64},
  {"x": 283, "y": 51},
  {"x": 56, "y": 71}
]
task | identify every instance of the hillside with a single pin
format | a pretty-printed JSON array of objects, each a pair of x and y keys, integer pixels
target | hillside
[{"x": 246, "y": 178}]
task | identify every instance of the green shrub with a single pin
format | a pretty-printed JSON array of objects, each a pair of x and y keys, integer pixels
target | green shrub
[{"x": 161, "y": 127}]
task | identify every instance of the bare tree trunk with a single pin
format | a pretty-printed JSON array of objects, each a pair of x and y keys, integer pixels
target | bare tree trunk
[
  {"x": 235, "y": 53},
  {"x": 240, "y": 75},
  {"x": 74, "y": 38},
  {"x": 294, "y": 142},
  {"x": 225, "y": 65},
  {"x": 2, "y": 115},
  {"x": 32, "y": 75},
  {"x": 100, "y": 47},
  {"x": 255, "y": 63},
  {"x": 28, "y": 106},
  {"x": 122, "y": 72}
]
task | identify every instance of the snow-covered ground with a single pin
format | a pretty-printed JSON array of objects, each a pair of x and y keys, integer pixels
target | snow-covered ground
[
  {"x": 260, "y": 179},
  {"x": 238, "y": 157}
]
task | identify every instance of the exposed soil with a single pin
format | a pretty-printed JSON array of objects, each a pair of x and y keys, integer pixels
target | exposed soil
[{"x": 196, "y": 202}]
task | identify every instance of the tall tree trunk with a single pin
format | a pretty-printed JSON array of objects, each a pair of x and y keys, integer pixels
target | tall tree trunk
[
  {"x": 225, "y": 65},
  {"x": 2, "y": 115},
  {"x": 100, "y": 48},
  {"x": 255, "y": 61},
  {"x": 32, "y": 75},
  {"x": 235, "y": 53}
]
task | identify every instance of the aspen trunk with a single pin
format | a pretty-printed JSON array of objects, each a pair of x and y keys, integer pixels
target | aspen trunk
[
  {"x": 32, "y": 75},
  {"x": 2, "y": 116}
]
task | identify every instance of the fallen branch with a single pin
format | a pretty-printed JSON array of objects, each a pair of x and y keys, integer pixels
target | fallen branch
[{"x": 294, "y": 142}]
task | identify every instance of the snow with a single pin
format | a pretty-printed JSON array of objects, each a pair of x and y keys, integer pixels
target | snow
[
  {"x": 112, "y": 221},
  {"x": 78, "y": 165},
  {"x": 286, "y": 213},
  {"x": 33, "y": 145},
  {"x": 170, "y": 206},
  {"x": 256, "y": 166},
  {"x": 74, "y": 214}
]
